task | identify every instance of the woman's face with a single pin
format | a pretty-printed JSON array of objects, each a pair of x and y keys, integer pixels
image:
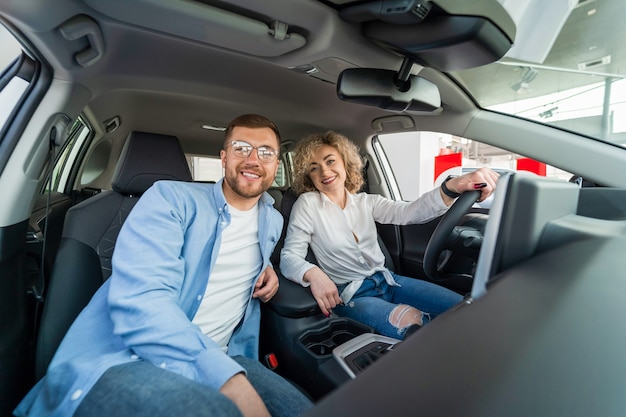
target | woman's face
[{"x": 327, "y": 170}]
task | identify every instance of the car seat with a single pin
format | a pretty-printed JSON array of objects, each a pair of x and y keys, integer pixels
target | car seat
[
  {"x": 292, "y": 299},
  {"x": 83, "y": 261}
]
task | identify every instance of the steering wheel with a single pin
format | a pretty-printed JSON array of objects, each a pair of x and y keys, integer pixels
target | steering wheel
[{"x": 442, "y": 232}]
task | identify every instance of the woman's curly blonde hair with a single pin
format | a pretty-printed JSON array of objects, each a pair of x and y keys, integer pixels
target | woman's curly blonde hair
[{"x": 348, "y": 151}]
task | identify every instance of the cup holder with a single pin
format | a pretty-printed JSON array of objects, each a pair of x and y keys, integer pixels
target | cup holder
[
  {"x": 321, "y": 349},
  {"x": 321, "y": 341},
  {"x": 342, "y": 337}
]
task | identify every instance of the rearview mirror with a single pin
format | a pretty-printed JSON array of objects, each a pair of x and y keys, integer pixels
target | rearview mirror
[{"x": 381, "y": 88}]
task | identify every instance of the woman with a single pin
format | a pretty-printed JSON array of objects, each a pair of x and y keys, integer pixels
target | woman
[{"x": 339, "y": 225}]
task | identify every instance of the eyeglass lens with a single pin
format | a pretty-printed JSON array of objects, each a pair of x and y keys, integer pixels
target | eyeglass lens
[{"x": 244, "y": 149}]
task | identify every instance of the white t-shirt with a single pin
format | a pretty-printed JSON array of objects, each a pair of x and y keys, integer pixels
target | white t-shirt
[{"x": 229, "y": 288}]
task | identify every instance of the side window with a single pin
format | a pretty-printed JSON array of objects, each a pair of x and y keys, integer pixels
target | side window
[
  {"x": 420, "y": 161},
  {"x": 12, "y": 87},
  {"x": 10, "y": 48},
  {"x": 64, "y": 166},
  {"x": 205, "y": 168},
  {"x": 281, "y": 176}
]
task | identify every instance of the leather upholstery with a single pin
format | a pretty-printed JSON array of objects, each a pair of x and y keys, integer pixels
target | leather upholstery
[{"x": 91, "y": 228}]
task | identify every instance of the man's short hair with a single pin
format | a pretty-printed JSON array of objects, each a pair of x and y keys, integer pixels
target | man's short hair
[{"x": 253, "y": 121}]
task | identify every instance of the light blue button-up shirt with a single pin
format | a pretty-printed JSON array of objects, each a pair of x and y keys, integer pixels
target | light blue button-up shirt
[{"x": 162, "y": 262}]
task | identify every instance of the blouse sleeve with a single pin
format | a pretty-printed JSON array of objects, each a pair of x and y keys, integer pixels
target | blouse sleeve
[
  {"x": 293, "y": 264},
  {"x": 427, "y": 207}
]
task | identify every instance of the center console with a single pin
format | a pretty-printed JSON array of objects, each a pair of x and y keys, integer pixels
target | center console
[
  {"x": 315, "y": 352},
  {"x": 345, "y": 342},
  {"x": 357, "y": 354}
]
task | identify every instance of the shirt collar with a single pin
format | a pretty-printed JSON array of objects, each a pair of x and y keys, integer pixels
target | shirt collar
[
  {"x": 325, "y": 200},
  {"x": 218, "y": 194}
]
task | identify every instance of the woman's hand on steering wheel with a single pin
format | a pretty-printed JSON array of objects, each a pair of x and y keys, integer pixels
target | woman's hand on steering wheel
[
  {"x": 473, "y": 187},
  {"x": 483, "y": 179}
]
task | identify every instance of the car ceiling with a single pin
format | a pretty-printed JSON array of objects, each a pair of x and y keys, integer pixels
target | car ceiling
[
  {"x": 173, "y": 84},
  {"x": 172, "y": 67}
]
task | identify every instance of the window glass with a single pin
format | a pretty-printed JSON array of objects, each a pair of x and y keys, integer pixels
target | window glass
[
  {"x": 420, "y": 161},
  {"x": 61, "y": 174},
  {"x": 9, "y": 48},
  {"x": 12, "y": 91},
  {"x": 281, "y": 176},
  {"x": 205, "y": 168}
]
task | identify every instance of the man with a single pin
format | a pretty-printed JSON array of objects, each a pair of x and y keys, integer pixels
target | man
[{"x": 175, "y": 329}]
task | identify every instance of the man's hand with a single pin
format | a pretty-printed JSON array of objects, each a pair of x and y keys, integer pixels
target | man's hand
[
  {"x": 323, "y": 288},
  {"x": 267, "y": 285},
  {"x": 245, "y": 397}
]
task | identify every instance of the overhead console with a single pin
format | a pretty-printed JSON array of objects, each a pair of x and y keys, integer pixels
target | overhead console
[{"x": 447, "y": 35}]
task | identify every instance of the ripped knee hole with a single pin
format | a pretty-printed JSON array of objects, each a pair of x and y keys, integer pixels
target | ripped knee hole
[{"x": 403, "y": 316}]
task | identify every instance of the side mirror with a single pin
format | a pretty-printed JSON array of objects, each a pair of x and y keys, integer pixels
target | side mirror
[{"x": 384, "y": 89}]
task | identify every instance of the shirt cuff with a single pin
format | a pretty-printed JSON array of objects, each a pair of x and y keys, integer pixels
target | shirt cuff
[{"x": 215, "y": 367}]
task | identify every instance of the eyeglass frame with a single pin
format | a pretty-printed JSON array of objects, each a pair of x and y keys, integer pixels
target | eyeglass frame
[{"x": 262, "y": 149}]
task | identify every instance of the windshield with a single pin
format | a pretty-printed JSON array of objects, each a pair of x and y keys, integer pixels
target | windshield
[{"x": 567, "y": 68}]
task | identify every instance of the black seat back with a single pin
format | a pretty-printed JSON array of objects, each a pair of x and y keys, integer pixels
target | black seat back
[{"x": 83, "y": 261}]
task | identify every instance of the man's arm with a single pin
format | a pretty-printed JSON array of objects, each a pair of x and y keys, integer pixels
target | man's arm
[
  {"x": 267, "y": 285},
  {"x": 148, "y": 288}
]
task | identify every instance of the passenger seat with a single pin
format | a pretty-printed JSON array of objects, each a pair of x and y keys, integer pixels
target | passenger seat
[
  {"x": 83, "y": 261},
  {"x": 292, "y": 299}
]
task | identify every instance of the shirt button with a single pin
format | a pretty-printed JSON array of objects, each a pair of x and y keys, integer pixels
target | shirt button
[
  {"x": 76, "y": 395},
  {"x": 163, "y": 365},
  {"x": 199, "y": 297},
  {"x": 361, "y": 259},
  {"x": 134, "y": 357}
]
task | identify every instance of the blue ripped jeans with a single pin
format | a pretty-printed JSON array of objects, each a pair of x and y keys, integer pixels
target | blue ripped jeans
[{"x": 375, "y": 300}]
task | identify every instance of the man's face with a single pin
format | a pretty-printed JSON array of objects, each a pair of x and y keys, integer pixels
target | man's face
[{"x": 247, "y": 177}]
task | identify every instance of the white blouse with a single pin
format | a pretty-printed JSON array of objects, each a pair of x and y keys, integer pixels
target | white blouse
[{"x": 345, "y": 242}]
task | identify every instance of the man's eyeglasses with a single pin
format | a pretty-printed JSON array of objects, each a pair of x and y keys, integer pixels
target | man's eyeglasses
[{"x": 244, "y": 149}]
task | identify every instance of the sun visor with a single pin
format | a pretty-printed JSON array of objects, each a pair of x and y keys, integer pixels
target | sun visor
[
  {"x": 204, "y": 23},
  {"x": 440, "y": 34}
]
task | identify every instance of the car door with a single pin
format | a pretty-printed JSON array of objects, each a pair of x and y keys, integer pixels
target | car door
[
  {"x": 412, "y": 163},
  {"x": 23, "y": 81}
]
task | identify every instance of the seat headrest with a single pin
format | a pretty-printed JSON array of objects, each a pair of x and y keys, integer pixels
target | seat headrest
[
  {"x": 289, "y": 198},
  {"x": 146, "y": 158}
]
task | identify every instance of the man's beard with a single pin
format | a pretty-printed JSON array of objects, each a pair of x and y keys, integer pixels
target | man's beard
[{"x": 247, "y": 192}]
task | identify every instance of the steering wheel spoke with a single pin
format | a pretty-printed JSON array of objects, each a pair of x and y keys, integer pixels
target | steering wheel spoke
[{"x": 448, "y": 236}]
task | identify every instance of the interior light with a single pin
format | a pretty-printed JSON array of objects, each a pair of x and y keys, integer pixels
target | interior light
[{"x": 216, "y": 128}]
